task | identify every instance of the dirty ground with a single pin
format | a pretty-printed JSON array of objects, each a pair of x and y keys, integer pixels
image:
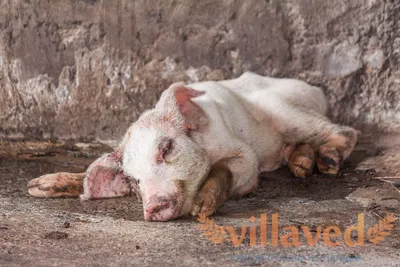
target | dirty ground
[{"x": 60, "y": 232}]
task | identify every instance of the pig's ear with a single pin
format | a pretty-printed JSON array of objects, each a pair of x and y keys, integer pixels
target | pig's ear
[
  {"x": 195, "y": 118},
  {"x": 105, "y": 178}
]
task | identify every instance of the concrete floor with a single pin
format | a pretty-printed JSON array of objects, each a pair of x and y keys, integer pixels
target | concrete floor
[{"x": 60, "y": 232}]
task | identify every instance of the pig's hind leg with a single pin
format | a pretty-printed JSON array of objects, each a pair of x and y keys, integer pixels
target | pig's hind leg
[
  {"x": 103, "y": 179},
  {"x": 333, "y": 143}
]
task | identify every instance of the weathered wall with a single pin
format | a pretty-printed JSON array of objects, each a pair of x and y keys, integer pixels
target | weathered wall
[{"x": 86, "y": 69}]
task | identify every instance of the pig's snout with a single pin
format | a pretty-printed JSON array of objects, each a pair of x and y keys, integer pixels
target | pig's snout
[{"x": 159, "y": 209}]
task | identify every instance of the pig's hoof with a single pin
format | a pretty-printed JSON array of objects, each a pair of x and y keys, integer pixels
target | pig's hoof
[
  {"x": 209, "y": 198},
  {"x": 328, "y": 160},
  {"x": 214, "y": 191},
  {"x": 56, "y": 185},
  {"x": 340, "y": 144},
  {"x": 337, "y": 148},
  {"x": 206, "y": 202},
  {"x": 301, "y": 161}
]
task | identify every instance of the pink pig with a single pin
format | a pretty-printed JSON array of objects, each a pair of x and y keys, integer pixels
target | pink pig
[{"x": 208, "y": 141}]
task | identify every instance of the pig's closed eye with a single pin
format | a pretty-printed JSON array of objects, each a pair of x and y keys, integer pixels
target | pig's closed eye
[{"x": 164, "y": 149}]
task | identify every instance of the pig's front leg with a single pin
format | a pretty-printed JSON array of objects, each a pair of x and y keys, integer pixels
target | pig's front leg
[
  {"x": 236, "y": 175},
  {"x": 103, "y": 179},
  {"x": 245, "y": 170},
  {"x": 61, "y": 184},
  {"x": 214, "y": 191}
]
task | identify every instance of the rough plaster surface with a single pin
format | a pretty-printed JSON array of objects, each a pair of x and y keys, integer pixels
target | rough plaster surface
[{"x": 86, "y": 69}]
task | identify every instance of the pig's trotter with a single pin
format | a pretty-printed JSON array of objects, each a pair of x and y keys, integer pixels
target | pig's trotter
[
  {"x": 60, "y": 184},
  {"x": 328, "y": 160},
  {"x": 335, "y": 150},
  {"x": 214, "y": 191},
  {"x": 302, "y": 160}
]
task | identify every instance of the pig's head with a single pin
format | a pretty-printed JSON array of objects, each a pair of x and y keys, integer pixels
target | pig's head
[{"x": 162, "y": 156}]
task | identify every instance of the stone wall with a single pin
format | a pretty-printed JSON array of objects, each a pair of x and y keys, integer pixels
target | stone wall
[{"x": 85, "y": 69}]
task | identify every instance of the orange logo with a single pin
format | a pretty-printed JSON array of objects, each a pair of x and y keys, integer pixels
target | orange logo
[{"x": 218, "y": 234}]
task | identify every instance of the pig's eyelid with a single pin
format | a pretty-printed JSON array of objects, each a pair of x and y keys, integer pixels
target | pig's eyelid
[{"x": 164, "y": 148}]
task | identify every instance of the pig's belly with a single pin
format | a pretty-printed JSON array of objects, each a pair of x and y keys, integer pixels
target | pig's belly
[
  {"x": 276, "y": 161},
  {"x": 268, "y": 146}
]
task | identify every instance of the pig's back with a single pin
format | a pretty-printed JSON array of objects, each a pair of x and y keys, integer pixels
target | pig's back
[{"x": 256, "y": 89}]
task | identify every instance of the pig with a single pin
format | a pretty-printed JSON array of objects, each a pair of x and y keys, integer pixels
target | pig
[{"x": 208, "y": 141}]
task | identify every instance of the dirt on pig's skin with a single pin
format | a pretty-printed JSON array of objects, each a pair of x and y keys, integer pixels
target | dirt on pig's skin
[{"x": 110, "y": 231}]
